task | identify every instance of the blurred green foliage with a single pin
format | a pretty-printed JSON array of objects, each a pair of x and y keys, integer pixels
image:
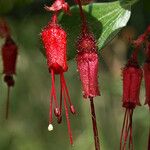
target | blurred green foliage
[{"x": 26, "y": 128}]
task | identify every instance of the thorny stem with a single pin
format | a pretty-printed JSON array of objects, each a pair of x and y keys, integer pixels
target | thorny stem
[
  {"x": 83, "y": 18},
  {"x": 95, "y": 130},
  {"x": 7, "y": 103}
]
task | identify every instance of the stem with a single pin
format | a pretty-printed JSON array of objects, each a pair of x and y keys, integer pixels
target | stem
[
  {"x": 7, "y": 103},
  {"x": 149, "y": 135},
  {"x": 53, "y": 87},
  {"x": 54, "y": 18},
  {"x": 95, "y": 130},
  {"x": 83, "y": 18}
]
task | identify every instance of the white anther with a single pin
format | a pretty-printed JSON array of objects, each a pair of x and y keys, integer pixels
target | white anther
[{"x": 50, "y": 127}]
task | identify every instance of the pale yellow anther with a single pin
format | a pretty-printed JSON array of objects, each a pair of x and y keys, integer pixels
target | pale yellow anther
[{"x": 50, "y": 127}]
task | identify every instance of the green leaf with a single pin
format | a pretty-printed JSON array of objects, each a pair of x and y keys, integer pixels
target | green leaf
[
  {"x": 105, "y": 21},
  {"x": 128, "y": 2}
]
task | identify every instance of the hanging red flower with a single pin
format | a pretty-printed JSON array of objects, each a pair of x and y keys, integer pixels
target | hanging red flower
[
  {"x": 87, "y": 64},
  {"x": 132, "y": 76},
  {"x": 9, "y": 57},
  {"x": 55, "y": 39}
]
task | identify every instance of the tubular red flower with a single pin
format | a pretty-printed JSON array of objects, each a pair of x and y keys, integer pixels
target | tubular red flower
[
  {"x": 9, "y": 57},
  {"x": 132, "y": 77},
  {"x": 54, "y": 40},
  {"x": 87, "y": 64}
]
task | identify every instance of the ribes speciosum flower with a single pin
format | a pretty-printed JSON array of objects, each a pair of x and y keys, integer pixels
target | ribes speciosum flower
[
  {"x": 87, "y": 64},
  {"x": 55, "y": 41},
  {"x": 9, "y": 57},
  {"x": 132, "y": 76}
]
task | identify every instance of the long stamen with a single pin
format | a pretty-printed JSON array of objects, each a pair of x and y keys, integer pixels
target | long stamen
[
  {"x": 56, "y": 109},
  {"x": 66, "y": 89},
  {"x": 51, "y": 107},
  {"x": 53, "y": 86},
  {"x": 123, "y": 127},
  {"x": 72, "y": 109},
  {"x": 60, "y": 117},
  {"x": 67, "y": 115},
  {"x": 126, "y": 130},
  {"x": 7, "y": 102},
  {"x": 130, "y": 139},
  {"x": 95, "y": 130},
  {"x": 50, "y": 127}
]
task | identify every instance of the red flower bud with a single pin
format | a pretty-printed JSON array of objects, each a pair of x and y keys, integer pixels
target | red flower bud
[
  {"x": 54, "y": 40},
  {"x": 87, "y": 63}
]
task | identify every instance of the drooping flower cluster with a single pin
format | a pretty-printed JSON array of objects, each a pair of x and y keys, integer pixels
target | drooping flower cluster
[
  {"x": 9, "y": 57},
  {"x": 55, "y": 40},
  {"x": 132, "y": 77}
]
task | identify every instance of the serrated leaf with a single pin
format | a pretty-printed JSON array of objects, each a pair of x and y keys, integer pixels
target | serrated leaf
[{"x": 105, "y": 20}]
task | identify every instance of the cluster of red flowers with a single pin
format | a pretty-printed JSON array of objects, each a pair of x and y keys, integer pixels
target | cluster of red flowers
[
  {"x": 55, "y": 42},
  {"x": 55, "y": 39},
  {"x": 9, "y": 56},
  {"x": 132, "y": 77}
]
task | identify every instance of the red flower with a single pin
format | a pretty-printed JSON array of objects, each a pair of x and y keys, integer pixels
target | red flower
[
  {"x": 54, "y": 40},
  {"x": 9, "y": 57},
  {"x": 87, "y": 63},
  {"x": 132, "y": 77}
]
